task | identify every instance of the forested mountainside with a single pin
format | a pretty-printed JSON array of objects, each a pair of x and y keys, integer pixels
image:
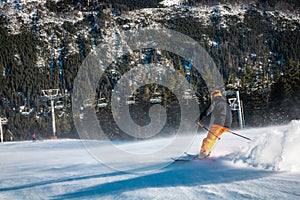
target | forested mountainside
[{"x": 255, "y": 45}]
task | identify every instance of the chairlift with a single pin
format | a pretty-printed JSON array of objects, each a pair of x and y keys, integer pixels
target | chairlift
[
  {"x": 4, "y": 120},
  {"x": 25, "y": 110},
  {"x": 156, "y": 98},
  {"x": 59, "y": 105},
  {"x": 21, "y": 108},
  {"x": 113, "y": 71},
  {"x": 130, "y": 99},
  {"x": 233, "y": 103},
  {"x": 102, "y": 103}
]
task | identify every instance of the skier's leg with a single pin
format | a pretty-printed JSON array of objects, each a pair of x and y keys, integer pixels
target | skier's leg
[{"x": 214, "y": 133}]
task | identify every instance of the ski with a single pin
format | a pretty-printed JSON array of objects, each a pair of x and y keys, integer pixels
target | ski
[
  {"x": 188, "y": 154},
  {"x": 189, "y": 157},
  {"x": 186, "y": 157}
]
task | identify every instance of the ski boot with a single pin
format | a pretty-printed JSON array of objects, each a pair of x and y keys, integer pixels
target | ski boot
[{"x": 203, "y": 155}]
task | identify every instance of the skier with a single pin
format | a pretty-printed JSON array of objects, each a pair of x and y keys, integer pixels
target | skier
[
  {"x": 33, "y": 137},
  {"x": 222, "y": 121}
]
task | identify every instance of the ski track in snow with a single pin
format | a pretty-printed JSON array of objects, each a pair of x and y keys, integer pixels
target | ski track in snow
[{"x": 265, "y": 168}]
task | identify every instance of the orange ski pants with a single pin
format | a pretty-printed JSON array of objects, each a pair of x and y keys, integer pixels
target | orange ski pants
[{"x": 214, "y": 133}]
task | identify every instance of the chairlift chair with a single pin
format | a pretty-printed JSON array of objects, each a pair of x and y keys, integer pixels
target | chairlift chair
[
  {"x": 102, "y": 103},
  {"x": 156, "y": 98},
  {"x": 59, "y": 105},
  {"x": 130, "y": 100}
]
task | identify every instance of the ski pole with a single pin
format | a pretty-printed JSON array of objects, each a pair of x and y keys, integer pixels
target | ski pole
[
  {"x": 199, "y": 124},
  {"x": 238, "y": 135},
  {"x": 202, "y": 126}
]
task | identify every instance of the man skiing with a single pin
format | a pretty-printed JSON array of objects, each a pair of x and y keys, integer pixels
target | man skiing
[{"x": 222, "y": 121}]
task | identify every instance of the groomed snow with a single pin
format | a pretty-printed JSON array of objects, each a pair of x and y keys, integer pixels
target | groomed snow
[{"x": 265, "y": 168}]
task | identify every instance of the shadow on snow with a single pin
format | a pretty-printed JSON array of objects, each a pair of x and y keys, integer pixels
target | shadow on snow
[
  {"x": 61, "y": 180},
  {"x": 178, "y": 174}
]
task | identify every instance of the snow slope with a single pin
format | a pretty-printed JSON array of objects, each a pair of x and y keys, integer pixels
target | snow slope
[{"x": 265, "y": 168}]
